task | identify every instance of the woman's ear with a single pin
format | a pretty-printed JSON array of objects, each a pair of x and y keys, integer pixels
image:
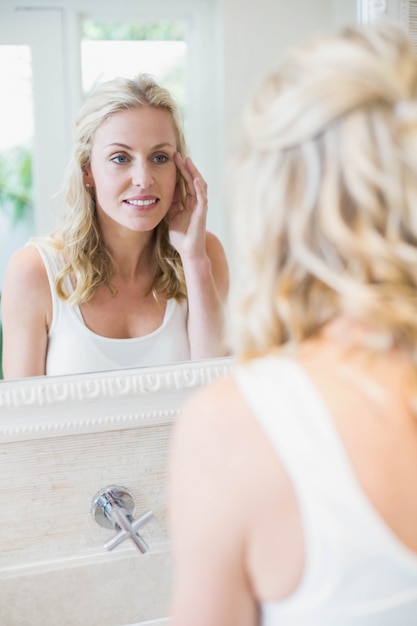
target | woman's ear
[{"x": 87, "y": 176}]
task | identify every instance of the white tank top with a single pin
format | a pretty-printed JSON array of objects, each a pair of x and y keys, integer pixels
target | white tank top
[
  {"x": 357, "y": 573},
  {"x": 73, "y": 348}
]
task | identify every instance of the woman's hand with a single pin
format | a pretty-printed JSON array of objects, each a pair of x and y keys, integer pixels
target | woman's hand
[
  {"x": 203, "y": 261},
  {"x": 187, "y": 220}
]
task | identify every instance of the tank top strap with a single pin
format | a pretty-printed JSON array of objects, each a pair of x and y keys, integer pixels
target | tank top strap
[
  {"x": 293, "y": 416},
  {"x": 51, "y": 257}
]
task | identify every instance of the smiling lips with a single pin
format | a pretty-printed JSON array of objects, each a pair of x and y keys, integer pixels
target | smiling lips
[{"x": 142, "y": 203}]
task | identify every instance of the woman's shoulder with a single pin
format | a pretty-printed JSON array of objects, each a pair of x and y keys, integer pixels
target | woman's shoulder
[
  {"x": 26, "y": 310},
  {"x": 26, "y": 262},
  {"x": 213, "y": 242},
  {"x": 52, "y": 241},
  {"x": 217, "y": 255},
  {"x": 206, "y": 409},
  {"x": 26, "y": 276},
  {"x": 209, "y": 421}
]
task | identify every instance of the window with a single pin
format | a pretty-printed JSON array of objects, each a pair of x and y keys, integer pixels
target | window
[
  {"x": 111, "y": 49},
  {"x": 16, "y": 140}
]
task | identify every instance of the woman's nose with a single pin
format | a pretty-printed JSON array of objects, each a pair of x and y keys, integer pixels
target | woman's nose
[{"x": 142, "y": 175}]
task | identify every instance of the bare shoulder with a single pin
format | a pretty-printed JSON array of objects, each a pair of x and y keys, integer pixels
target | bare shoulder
[
  {"x": 214, "y": 401},
  {"x": 213, "y": 244},
  {"x": 208, "y": 420},
  {"x": 220, "y": 268},
  {"x": 218, "y": 417},
  {"x": 205, "y": 504},
  {"x": 26, "y": 267},
  {"x": 214, "y": 431},
  {"x": 26, "y": 282}
]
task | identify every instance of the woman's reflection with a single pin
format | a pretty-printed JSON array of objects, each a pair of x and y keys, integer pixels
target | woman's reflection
[{"x": 133, "y": 278}]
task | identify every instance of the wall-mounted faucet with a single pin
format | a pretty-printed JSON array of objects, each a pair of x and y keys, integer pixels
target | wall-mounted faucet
[{"x": 114, "y": 507}]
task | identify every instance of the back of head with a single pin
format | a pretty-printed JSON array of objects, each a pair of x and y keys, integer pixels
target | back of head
[{"x": 326, "y": 193}]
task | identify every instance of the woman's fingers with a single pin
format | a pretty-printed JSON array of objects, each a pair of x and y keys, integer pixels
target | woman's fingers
[
  {"x": 189, "y": 183},
  {"x": 189, "y": 172},
  {"x": 201, "y": 191},
  {"x": 196, "y": 174}
]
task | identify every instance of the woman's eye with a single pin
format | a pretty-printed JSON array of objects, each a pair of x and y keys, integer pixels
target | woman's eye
[
  {"x": 119, "y": 158},
  {"x": 160, "y": 158}
]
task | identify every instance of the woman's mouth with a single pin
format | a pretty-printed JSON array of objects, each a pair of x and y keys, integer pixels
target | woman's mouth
[{"x": 142, "y": 204}]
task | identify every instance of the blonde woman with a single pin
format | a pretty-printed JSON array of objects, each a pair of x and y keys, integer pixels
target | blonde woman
[
  {"x": 133, "y": 278},
  {"x": 293, "y": 498}
]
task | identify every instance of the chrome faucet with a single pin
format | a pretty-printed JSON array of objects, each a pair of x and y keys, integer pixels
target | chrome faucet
[{"x": 114, "y": 507}]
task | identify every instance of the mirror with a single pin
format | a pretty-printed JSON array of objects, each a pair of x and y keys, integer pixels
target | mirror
[{"x": 217, "y": 35}]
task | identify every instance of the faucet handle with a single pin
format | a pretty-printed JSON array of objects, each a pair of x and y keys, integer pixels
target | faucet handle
[{"x": 114, "y": 507}]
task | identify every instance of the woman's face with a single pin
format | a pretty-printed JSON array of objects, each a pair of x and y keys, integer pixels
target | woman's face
[{"x": 132, "y": 167}]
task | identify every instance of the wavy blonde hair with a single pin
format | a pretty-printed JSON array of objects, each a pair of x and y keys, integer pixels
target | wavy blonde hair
[
  {"x": 88, "y": 259},
  {"x": 325, "y": 216}
]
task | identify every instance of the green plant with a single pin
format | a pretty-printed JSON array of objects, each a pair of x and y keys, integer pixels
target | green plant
[
  {"x": 16, "y": 183},
  {"x": 125, "y": 31},
  {"x": 1, "y": 349},
  {"x": 15, "y": 192}
]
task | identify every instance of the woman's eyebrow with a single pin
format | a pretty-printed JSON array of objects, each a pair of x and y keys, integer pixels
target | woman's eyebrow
[
  {"x": 126, "y": 147},
  {"x": 119, "y": 145},
  {"x": 163, "y": 145}
]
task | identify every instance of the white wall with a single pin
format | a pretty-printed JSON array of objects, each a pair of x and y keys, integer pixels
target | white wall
[
  {"x": 253, "y": 36},
  {"x": 257, "y": 32}
]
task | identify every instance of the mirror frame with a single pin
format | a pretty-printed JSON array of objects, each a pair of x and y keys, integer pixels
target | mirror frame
[{"x": 51, "y": 406}]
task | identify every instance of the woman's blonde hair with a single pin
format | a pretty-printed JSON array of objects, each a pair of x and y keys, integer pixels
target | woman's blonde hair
[
  {"x": 88, "y": 259},
  {"x": 325, "y": 216}
]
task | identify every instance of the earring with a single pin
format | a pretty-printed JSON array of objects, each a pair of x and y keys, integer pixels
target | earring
[{"x": 88, "y": 185}]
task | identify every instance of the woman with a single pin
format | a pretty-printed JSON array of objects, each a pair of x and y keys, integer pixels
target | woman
[
  {"x": 293, "y": 498},
  {"x": 133, "y": 278}
]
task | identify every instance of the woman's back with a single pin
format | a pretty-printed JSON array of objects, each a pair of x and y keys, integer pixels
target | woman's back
[
  {"x": 321, "y": 511},
  {"x": 349, "y": 447}
]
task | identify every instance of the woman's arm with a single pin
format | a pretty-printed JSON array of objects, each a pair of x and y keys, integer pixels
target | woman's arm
[
  {"x": 207, "y": 279},
  {"x": 208, "y": 502},
  {"x": 236, "y": 528},
  {"x": 205, "y": 266},
  {"x": 26, "y": 314}
]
